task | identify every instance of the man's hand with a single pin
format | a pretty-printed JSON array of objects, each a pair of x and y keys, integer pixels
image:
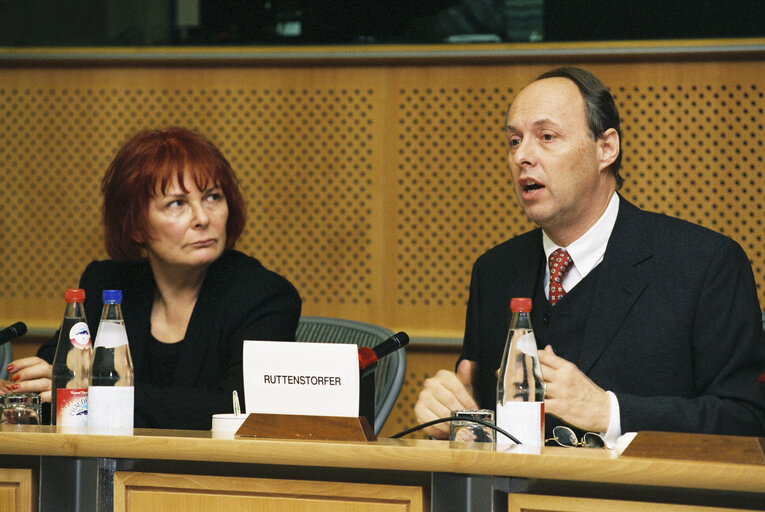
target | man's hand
[
  {"x": 571, "y": 395},
  {"x": 30, "y": 374},
  {"x": 443, "y": 393}
]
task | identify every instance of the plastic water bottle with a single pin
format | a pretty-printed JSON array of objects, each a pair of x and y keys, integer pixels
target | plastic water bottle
[
  {"x": 71, "y": 365},
  {"x": 520, "y": 386},
  {"x": 111, "y": 394}
]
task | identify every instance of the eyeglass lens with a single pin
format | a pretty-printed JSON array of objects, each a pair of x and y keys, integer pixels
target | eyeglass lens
[
  {"x": 564, "y": 436},
  {"x": 592, "y": 440}
]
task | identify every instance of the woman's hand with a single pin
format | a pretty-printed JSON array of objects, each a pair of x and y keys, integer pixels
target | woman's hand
[{"x": 29, "y": 375}]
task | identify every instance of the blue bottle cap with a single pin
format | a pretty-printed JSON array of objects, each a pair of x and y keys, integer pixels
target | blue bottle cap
[{"x": 112, "y": 296}]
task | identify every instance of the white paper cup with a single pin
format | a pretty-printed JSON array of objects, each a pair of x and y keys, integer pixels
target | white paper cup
[{"x": 226, "y": 425}]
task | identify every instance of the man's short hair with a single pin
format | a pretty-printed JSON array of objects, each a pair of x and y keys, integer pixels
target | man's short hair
[{"x": 599, "y": 107}]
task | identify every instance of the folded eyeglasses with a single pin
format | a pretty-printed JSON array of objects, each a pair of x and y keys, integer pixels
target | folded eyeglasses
[{"x": 564, "y": 436}]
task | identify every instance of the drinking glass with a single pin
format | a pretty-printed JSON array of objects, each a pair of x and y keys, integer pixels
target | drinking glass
[
  {"x": 20, "y": 409},
  {"x": 467, "y": 430}
]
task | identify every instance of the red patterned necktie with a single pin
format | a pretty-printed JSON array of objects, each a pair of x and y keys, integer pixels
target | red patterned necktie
[{"x": 560, "y": 263}]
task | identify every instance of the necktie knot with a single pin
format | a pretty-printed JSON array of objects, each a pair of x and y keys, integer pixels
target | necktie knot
[{"x": 560, "y": 263}]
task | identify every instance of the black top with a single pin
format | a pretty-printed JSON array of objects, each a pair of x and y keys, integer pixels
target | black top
[
  {"x": 164, "y": 357},
  {"x": 239, "y": 300}
]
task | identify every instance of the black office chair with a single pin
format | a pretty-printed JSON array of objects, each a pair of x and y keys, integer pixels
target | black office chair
[
  {"x": 389, "y": 375},
  {"x": 5, "y": 358},
  {"x": 761, "y": 380}
]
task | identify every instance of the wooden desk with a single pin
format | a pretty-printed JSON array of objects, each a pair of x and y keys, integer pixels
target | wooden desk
[{"x": 158, "y": 469}]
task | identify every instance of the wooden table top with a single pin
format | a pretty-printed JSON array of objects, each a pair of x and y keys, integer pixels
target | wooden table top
[{"x": 578, "y": 464}]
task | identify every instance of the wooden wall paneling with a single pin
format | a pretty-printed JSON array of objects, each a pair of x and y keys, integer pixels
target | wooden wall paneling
[
  {"x": 304, "y": 150},
  {"x": 18, "y": 490},
  {"x": 147, "y": 492},
  {"x": 372, "y": 188},
  {"x": 541, "y": 503},
  {"x": 27, "y": 346},
  {"x": 452, "y": 191}
]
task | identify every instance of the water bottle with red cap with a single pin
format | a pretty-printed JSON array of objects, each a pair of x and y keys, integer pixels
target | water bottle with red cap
[
  {"x": 520, "y": 386},
  {"x": 71, "y": 365}
]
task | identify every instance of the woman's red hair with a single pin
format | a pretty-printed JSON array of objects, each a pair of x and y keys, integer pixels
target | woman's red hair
[{"x": 146, "y": 165}]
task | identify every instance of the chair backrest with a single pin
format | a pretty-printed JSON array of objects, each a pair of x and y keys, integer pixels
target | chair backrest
[
  {"x": 389, "y": 375},
  {"x": 5, "y": 358},
  {"x": 761, "y": 380}
]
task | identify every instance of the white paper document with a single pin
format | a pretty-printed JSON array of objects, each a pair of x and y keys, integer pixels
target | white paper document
[{"x": 313, "y": 379}]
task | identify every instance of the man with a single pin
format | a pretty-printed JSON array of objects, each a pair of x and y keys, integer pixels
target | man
[{"x": 658, "y": 323}]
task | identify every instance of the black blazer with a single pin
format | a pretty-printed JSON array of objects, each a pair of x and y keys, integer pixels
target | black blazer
[
  {"x": 239, "y": 300},
  {"x": 675, "y": 328}
]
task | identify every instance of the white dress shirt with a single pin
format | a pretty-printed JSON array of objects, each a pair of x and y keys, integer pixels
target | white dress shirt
[{"x": 587, "y": 252}]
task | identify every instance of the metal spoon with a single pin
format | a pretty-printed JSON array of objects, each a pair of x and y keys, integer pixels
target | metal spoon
[{"x": 237, "y": 409}]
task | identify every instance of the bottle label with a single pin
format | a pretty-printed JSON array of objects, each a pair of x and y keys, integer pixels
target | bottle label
[
  {"x": 110, "y": 409},
  {"x": 71, "y": 407},
  {"x": 528, "y": 344},
  {"x": 524, "y": 420},
  {"x": 111, "y": 335},
  {"x": 79, "y": 335}
]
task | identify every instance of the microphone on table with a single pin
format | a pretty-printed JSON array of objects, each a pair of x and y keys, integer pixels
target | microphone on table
[
  {"x": 369, "y": 356},
  {"x": 12, "y": 332}
]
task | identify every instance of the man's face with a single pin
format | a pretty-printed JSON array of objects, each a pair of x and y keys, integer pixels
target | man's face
[{"x": 559, "y": 172}]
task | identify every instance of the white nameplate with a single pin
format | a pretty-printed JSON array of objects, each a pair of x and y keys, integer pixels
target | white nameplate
[{"x": 313, "y": 379}]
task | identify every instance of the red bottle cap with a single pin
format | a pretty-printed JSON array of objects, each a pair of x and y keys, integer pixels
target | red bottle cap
[
  {"x": 75, "y": 295},
  {"x": 520, "y": 304}
]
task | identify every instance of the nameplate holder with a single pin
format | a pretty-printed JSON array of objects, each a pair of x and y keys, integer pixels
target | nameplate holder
[
  {"x": 296, "y": 426},
  {"x": 311, "y": 379}
]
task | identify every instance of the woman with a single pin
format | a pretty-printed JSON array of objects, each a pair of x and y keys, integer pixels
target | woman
[{"x": 172, "y": 213}]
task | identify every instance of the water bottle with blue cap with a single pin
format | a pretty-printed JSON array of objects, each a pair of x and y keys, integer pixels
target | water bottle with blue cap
[{"x": 110, "y": 391}]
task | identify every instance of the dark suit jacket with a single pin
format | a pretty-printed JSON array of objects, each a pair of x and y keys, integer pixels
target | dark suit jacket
[
  {"x": 674, "y": 330},
  {"x": 239, "y": 300}
]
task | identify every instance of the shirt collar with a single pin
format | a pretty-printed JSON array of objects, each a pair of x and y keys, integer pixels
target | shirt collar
[{"x": 588, "y": 250}]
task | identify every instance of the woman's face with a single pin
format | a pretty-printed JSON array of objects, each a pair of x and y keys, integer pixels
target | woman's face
[{"x": 187, "y": 229}]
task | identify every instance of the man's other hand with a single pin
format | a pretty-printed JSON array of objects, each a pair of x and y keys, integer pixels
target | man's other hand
[{"x": 443, "y": 393}]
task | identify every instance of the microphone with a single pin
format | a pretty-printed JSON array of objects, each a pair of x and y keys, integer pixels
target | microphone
[
  {"x": 369, "y": 356},
  {"x": 12, "y": 332}
]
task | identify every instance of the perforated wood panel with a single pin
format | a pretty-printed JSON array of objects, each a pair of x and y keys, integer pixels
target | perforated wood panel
[
  {"x": 303, "y": 156},
  {"x": 453, "y": 194},
  {"x": 307, "y": 169},
  {"x": 373, "y": 189},
  {"x": 699, "y": 155}
]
